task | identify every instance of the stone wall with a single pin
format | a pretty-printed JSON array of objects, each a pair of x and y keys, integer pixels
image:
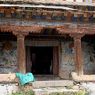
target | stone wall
[
  {"x": 89, "y": 58},
  {"x": 7, "y": 89},
  {"x": 8, "y": 57},
  {"x": 67, "y": 64},
  {"x": 67, "y": 60}
]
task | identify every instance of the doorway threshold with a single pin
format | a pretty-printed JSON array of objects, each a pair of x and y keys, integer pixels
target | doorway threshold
[{"x": 46, "y": 77}]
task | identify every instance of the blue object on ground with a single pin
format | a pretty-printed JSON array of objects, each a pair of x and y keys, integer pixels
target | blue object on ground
[{"x": 25, "y": 78}]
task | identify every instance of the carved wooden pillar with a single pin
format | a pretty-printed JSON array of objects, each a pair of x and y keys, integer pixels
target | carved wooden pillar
[
  {"x": 78, "y": 53},
  {"x": 21, "y": 57}
]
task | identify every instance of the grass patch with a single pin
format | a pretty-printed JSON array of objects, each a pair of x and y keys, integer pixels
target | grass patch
[
  {"x": 81, "y": 92},
  {"x": 30, "y": 92}
]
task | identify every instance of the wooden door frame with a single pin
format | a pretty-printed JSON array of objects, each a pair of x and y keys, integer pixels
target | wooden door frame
[
  {"x": 55, "y": 60},
  {"x": 28, "y": 59}
]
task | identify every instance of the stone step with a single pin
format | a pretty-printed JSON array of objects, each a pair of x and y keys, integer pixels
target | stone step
[
  {"x": 52, "y": 83},
  {"x": 50, "y": 90},
  {"x": 46, "y": 77}
]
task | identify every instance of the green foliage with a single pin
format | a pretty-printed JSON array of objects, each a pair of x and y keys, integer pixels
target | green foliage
[
  {"x": 30, "y": 92},
  {"x": 81, "y": 92}
]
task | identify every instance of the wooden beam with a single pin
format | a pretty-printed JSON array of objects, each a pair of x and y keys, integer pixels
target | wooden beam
[
  {"x": 16, "y": 28},
  {"x": 79, "y": 30},
  {"x": 38, "y": 28}
]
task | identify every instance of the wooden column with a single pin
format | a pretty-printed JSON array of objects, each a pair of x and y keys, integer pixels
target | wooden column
[
  {"x": 21, "y": 57},
  {"x": 78, "y": 53}
]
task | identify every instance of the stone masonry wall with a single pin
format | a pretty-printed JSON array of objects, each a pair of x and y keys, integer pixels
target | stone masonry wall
[
  {"x": 89, "y": 58},
  {"x": 8, "y": 58},
  {"x": 8, "y": 89},
  {"x": 67, "y": 60},
  {"x": 67, "y": 64}
]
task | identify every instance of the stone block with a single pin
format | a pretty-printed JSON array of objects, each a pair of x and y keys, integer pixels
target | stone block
[
  {"x": 7, "y": 77},
  {"x": 7, "y": 89}
]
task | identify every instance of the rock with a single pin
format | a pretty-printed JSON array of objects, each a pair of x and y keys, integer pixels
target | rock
[{"x": 76, "y": 87}]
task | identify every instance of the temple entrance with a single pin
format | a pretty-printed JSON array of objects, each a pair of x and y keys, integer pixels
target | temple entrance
[{"x": 42, "y": 60}]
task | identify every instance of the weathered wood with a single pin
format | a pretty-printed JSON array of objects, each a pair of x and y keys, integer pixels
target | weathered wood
[
  {"x": 79, "y": 30},
  {"x": 65, "y": 29},
  {"x": 55, "y": 60},
  {"x": 78, "y": 53},
  {"x": 21, "y": 54},
  {"x": 25, "y": 29},
  {"x": 28, "y": 59}
]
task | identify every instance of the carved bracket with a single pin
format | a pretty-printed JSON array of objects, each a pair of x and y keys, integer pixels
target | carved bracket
[
  {"x": 77, "y": 35},
  {"x": 21, "y": 29},
  {"x": 20, "y": 34}
]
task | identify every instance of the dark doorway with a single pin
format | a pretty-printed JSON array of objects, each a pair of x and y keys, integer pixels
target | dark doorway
[{"x": 42, "y": 60}]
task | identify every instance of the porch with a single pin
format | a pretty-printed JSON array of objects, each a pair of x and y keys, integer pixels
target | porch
[{"x": 62, "y": 54}]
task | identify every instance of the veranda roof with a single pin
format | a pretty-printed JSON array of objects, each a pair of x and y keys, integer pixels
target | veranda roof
[
  {"x": 57, "y": 2},
  {"x": 37, "y": 6}
]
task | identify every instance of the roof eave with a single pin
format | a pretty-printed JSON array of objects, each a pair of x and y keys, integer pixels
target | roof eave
[{"x": 45, "y": 2}]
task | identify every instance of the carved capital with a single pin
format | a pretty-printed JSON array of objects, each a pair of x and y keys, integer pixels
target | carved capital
[
  {"x": 77, "y": 36},
  {"x": 20, "y": 34}
]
